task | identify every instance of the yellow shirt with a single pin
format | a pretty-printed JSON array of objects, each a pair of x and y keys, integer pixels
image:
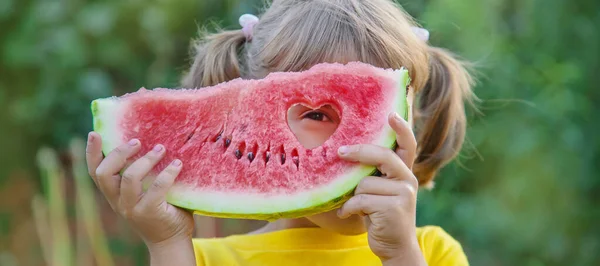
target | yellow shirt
[{"x": 315, "y": 246}]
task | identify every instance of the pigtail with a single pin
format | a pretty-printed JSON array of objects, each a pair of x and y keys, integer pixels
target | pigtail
[
  {"x": 216, "y": 59},
  {"x": 440, "y": 114}
]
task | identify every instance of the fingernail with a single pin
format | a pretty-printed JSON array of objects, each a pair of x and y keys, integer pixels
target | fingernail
[
  {"x": 176, "y": 162},
  {"x": 133, "y": 142},
  {"x": 158, "y": 148},
  {"x": 344, "y": 150},
  {"x": 397, "y": 117},
  {"x": 90, "y": 137}
]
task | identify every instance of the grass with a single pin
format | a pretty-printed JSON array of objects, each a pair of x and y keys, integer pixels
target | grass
[{"x": 50, "y": 212}]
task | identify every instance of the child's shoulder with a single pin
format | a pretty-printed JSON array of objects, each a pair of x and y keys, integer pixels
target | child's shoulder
[
  {"x": 434, "y": 233},
  {"x": 439, "y": 247}
]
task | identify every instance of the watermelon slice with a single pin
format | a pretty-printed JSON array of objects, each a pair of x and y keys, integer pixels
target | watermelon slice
[{"x": 241, "y": 160}]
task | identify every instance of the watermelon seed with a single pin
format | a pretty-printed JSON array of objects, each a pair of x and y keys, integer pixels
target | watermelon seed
[
  {"x": 240, "y": 150},
  {"x": 295, "y": 158},
  {"x": 282, "y": 152},
  {"x": 218, "y": 137},
  {"x": 267, "y": 155},
  {"x": 252, "y": 151},
  {"x": 189, "y": 137},
  {"x": 227, "y": 142}
]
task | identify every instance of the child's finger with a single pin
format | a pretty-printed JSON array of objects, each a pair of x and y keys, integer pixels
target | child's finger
[
  {"x": 384, "y": 187},
  {"x": 131, "y": 180},
  {"x": 363, "y": 204},
  {"x": 117, "y": 158},
  {"x": 155, "y": 195},
  {"x": 386, "y": 160},
  {"x": 93, "y": 154},
  {"x": 405, "y": 138},
  {"x": 111, "y": 165}
]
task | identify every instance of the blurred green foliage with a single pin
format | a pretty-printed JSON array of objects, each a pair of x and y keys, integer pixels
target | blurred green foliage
[{"x": 524, "y": 192}]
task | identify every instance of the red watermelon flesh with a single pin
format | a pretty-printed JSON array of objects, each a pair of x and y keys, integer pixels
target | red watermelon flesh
[{"x": 240, "y": 157}]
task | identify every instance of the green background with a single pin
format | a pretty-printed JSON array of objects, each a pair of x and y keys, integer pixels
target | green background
[{"x": 525, "y": 190}]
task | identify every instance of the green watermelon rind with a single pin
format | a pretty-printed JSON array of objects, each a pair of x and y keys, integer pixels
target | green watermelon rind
[
  {"x": 322, "y": 199},
  {"x": 110, "y": 139}
]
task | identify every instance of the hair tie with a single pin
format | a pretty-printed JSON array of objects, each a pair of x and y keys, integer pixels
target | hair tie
[
  {"x": 421, "y": 33},
  {"x": 248, "y": 21}
]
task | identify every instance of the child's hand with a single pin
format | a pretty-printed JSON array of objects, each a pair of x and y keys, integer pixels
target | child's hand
[
  {"x": 388, "y": 203},
  {"x": 156, "y": 221}
]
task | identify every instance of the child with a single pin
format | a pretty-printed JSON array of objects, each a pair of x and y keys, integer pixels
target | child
[{"x": 377, "y": 225}]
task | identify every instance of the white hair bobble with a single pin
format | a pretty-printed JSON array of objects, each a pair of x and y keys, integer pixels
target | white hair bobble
[
  {"x": 421, "y": 33},
  {"x": 248, "y": 21}
]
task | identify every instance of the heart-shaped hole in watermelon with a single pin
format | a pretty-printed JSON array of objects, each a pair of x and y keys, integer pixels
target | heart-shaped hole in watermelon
[{"x": 312, "y": 126}]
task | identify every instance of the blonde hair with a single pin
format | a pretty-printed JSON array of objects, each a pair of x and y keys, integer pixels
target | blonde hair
[{"x": 294, "y": 35}]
